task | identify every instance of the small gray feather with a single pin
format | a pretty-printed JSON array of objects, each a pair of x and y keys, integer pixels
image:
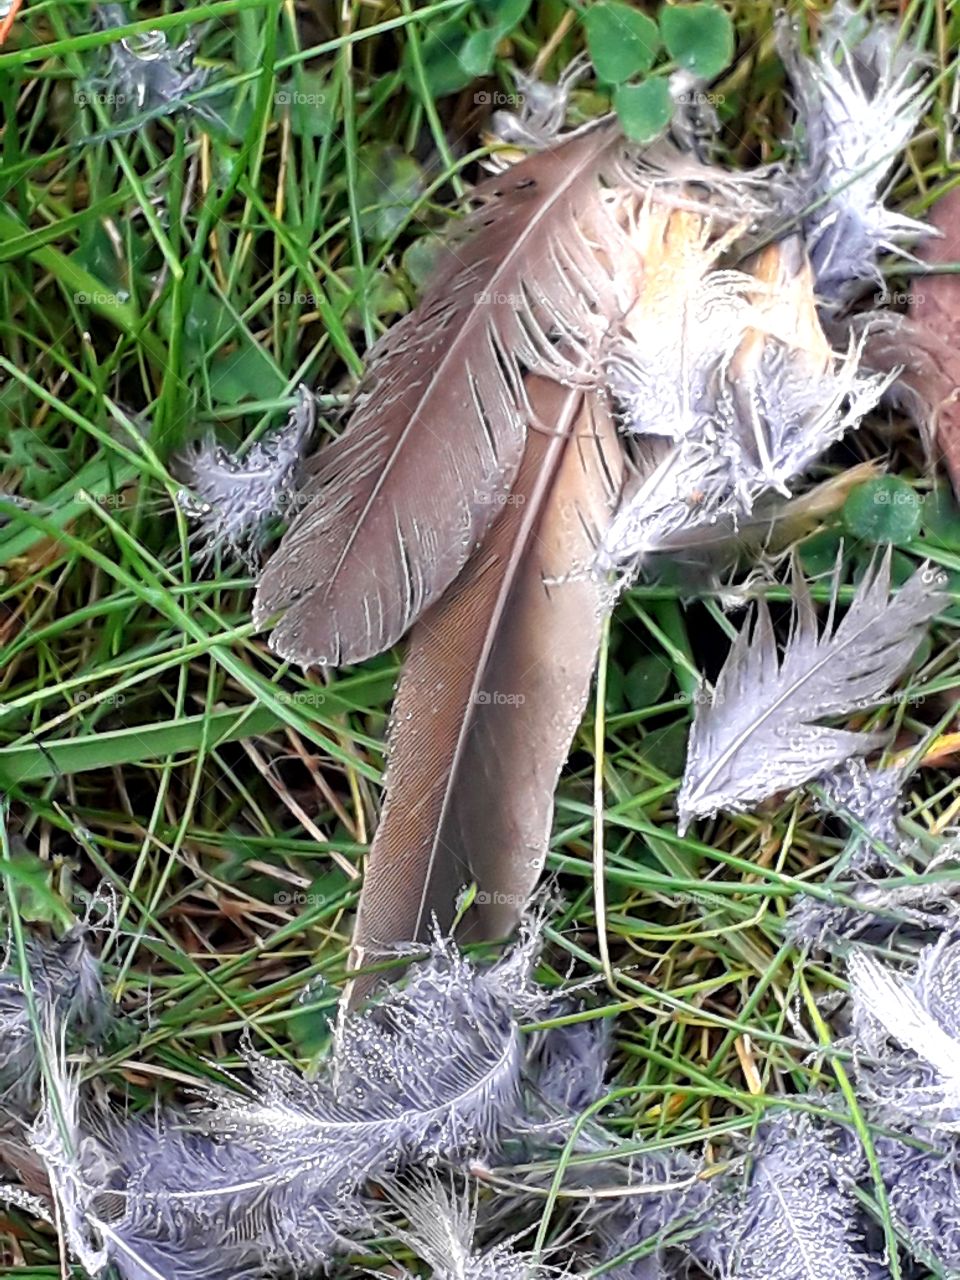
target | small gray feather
[{"x": 760, "y": 731}]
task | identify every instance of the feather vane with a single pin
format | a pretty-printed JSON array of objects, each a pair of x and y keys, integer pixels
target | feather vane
[
  {"x": 394, "y": 507},
  {"x": 923, "y": 1017},
  {"x": 270, "y": 1180},
  {"x": 759, "y": 733},
  {"x": 441, "y": 1225},
  {"x": 434, "y": 1068},
  {"x": 792, "y": 1221},
  {"x": 663, "y": 1197}
]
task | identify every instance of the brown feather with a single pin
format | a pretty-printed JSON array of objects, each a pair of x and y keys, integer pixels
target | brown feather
[
  {"x": 494, "y": 686},
  {"x": 925, "y": 344},
  {"x": 397, "y": 504}
]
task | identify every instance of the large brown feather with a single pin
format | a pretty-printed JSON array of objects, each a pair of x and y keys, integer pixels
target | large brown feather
[
  {"x": 494, "y": 686},
  {"x": 397, "y": 504}
]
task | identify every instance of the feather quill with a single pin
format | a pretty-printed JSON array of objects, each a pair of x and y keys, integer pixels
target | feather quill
[
  {"x": 494, "y": 685},
  {"x": 698, "y": 551},
  {"x": 393, "y": 508},
  {"x": 759, "y": 732},
  {"x": 56, "y": 1138}
]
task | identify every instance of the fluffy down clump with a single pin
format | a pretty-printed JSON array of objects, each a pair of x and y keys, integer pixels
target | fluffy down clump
[
  {"x": 794, "y": 1216},
  {"x": 274, "y": 1178},
  {"x": 231, "y": 501},
  {"x": 67, "y": 993},
  {"x": 143, "y": 75},
  {"x": 735, "y": 371},
  {"x": 908, "y": 1031},
  {"x": 859, "y": 101}
]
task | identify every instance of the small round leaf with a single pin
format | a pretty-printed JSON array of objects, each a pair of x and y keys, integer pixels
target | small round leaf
[
  {"x": 644, "y": 109},
  {"x": 883, "y": 510},
  {"x": 477, "y": 52},
  {"x": 614, "y": 701},
  {"x": 666, "y": 748},
  {"x": 699, "y": 37},
  {"x": 443, "y": 72},
  {"x": 504, "y": 14},
  {"x": 818, "y": 553},
  {"x": 622, "y": 41},
  {"x": 646, "y": 681}
]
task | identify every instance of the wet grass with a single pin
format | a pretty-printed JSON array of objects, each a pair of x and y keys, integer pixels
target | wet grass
[{"x": 186, "y": 275}]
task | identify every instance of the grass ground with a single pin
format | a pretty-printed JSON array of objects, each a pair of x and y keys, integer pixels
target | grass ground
[{"x": 186, "y": 276}]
